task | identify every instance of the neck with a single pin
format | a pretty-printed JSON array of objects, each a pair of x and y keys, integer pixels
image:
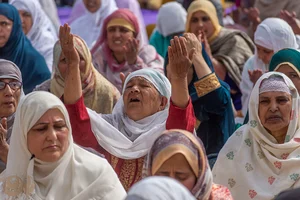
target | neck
[
  {"x": 119, "y": 57},
  {"x": 280, "y": 135}
]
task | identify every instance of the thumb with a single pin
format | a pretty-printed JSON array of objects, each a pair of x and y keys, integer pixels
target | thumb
[
  {"x": 4, "y": 123},
  {"x": 122, "y": 77},
  {"x": 191, "y": 53}
]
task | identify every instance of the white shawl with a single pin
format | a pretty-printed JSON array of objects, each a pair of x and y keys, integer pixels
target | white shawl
[
  {"x": 89, "y": 25},
  {"x": 77, "y": 175},
  {"x": 125, "y": 138},
  {"x": 252, "y": 164},
  {"x": 42, "y": 34},
  {"x": 274, "y": 34}
]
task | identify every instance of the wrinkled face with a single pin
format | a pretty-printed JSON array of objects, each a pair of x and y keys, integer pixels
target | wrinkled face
[
  {"x": 177, "y": 167},
  {"x": 92, "y": 5},
  {"x": 63, "y": 66},
  {"x": 291, "y": 73},
  {"x": 141, "y": 99},
  {"x": 48, "y": 138},
  {"x": 117, "y": 36},
  {"x": 264, "y": 54},
  {"x": 27, "y": 21},
  {"x": 200, "y": 21},
  {"x": 275, "y": 110},
  {"x": 6, "y": 26},
  {"x": 9, "y": 99}
]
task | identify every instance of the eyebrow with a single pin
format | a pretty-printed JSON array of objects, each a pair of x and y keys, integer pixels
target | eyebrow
[{"x": 45, "y": 123}]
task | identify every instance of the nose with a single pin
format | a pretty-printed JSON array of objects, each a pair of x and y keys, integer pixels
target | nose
[
  {"x": 117, "y": 33},
  {"x": 8, "y": 91},
  {"x": 135, "y": 88},
  {"x": 51, "y": 134},
  {"x": 273, "y": 106}
]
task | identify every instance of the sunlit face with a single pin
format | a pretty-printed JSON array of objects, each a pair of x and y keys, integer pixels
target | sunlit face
[
  {"x": 177, "y": 167},
  {"x": 27, "y": 21},
  {"x": 117, "y": 37},
  {"x": 275, "y": 111},
  {"x": 200, "y": 21},
  {"x": 291, "y": 73},
  {"x": 6, "y": 26},
  {"x": 48, "y": 138},
  {"x": 141, "y": 99},
  {"x": 264, "y": 54},
  {"x": 9, "y": 99},
  {"x": 63, "y": 66},
  {"x": 92, "y": 5}
]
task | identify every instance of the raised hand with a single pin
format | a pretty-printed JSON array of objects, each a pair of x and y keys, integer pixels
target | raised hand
[
  {"x": 123, "y": 77},
  {"x": 193, "y": 42},
  {"x": 131, "y": 50},
  {"x": 206, "y": 44},
  {"x": 255, "y": 75},
  {"x": 291, "y": 19},
  {"x": 180, "y": 59},
  {"x": 67, "y": 45},
  {"x": 3, "y": 144},
  {"x": 253, "y": 14}
]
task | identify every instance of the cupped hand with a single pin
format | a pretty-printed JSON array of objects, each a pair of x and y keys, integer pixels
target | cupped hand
[
  {"x": 254, "y": 75},
  {"x": 253, "y": 14},
  {"x": 131, "y": 50},
  {"x": 291, "y": 19},
  {"x": 193, "y": 42}
]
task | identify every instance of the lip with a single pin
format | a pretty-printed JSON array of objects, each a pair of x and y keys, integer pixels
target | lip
[
  {"x": 274, "y": 118},
  {"x": 9, "y": 103},
  {"x": 52, "y": 147}
]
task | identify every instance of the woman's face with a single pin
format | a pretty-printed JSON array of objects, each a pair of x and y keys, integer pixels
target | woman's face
[
  {"x": 6, "y": 26},
  {"x": 200, "y": 22},
  {"x": 63, "y": 66},
  {"x": 177, "y": 167},
  {"x": 48, "y": 138},
  {"x": 9, "y": 98},
  {"x": 291, "y": 73},
  {"x": 27, "y": 21},
  {"x": 117, "y": 37},
  {"x": 275, "y": 111},
  {"x": 92, "y": 5},
  {"x": 264, "y": 54},
  {"x": 141, "y": 99}
]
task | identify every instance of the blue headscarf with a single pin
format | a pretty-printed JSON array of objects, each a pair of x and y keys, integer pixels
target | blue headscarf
[{"x": 19, "y": 50}]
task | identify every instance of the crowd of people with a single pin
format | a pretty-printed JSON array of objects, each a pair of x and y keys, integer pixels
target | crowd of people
[{"x": 199, "y": 108}]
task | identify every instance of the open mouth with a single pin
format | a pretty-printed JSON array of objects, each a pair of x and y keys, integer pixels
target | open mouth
[
  {"x": 134, "y": 100},
  {"x": 9, "y": 103}
]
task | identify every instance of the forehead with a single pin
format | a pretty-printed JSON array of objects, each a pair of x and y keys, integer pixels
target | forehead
[
  {"x": 274, "y": 94},
  {"x": 139, "y": 79},
  {"x": 199, "y": 14},
  {"x": 4, "y": 19},
  {"x": 7, "y": 80},
  {"x": 54, "y": 113},
  {"x": 262, "y": 48},
  {"x": 285, "y": 68}
]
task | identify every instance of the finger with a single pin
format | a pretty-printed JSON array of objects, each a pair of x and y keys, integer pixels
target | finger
[
  {"x": 182, "y": 41},
  {"x": 178, "y": 47},
  {"x": 136, "y": 43},
  {"x": 4, "y": 123},
  {"x": 170, "y": 54},
  {"x": 173, "y": 48},
  {"x": 191, "y": 53},
  {"x": 125, "y": 49}
]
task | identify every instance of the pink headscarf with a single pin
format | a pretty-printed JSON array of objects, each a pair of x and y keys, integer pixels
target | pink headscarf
[{"x": 102, "y": 41}]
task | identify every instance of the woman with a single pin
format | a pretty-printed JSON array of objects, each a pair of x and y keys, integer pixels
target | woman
[
  {"x": 10, "y": 94},
  {"x": 228, "y": 49},
  {"x": 92, "y": 20},
  {"x": 42, "y": 150},
  {"x": 119, "y": 49},
  {"x": 99, "y": 94},
  {"x": 140, "y": 115},
  {"x": 272, "y": 35},
  {"x": 262, "y": 157},
  {"x": 37, "y": 27},
  {"x": 180, "y": 155},
  {"x": 287, "y": 61},
  {"x": 159, "y": 188},
  {"x": 14, "y": 46},
  {"x": 168, "y": 24}
]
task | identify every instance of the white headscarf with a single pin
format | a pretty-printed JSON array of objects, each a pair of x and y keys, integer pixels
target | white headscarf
[
  {"x": 89, "y": 25},
  {"x": 125, "y": 138},
  {"x": 159, "y": 188},
  {"x": 252, "y": 164},
  {"x": 274, "y": 34},
  {"x": 78, "y": 174},
  {"x": 171, "y": 19},
  {"x": 42, "y": 34}
]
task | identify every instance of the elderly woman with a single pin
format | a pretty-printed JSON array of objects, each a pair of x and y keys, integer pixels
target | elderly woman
[
  {"x": 168, "y": 24},
  {"x": 92, "y": 19},
  {"x": 139, "y": 117},
  {"x": 120, "y": 50},
  {"x": 42, "y": 150},
  {"x": 37, "y": 27},
  {"x": 159, "y": 188},
  {"x": 99, "y": 94},
  {"x": 14, "y": 46},
  {"x": 228, "y": 49},
  {"x": 262, "y": 157},
  {"x": 180, "y": 155},
  {"x": 272, "y": 35},
  {"x": 10, "y": 94}
]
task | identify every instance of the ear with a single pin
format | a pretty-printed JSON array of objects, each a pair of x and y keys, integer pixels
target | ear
[{"x": 163, "y": 103}]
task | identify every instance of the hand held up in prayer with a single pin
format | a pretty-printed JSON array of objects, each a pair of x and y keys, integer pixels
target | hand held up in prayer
[
  {"x": 255, "y": 75},
  {"x": 3, "y": 143},
  {"x": 206, "y": 45},
  {"x": 291, "y": 19},
  {"x": 253, "y": 14},
  {"x": 67, "y": 45},
  {"x": 131, "y": 50},
  {"x": 180, "y": 58},
  {"x": 192, "y": 42}
]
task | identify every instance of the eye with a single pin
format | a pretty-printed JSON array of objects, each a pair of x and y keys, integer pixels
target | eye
[
  {"x": 205, "y": 19},
  {"x": 283, "y": 100},
  {"x": 4, "y": 24},
  {"x": 194, "y": 20},
  {"x": 41, "y": 129},
  {"x": 60, "y": 126},
  {"x": 264, "y": 101},
  {"x": 124, "y": 30}
]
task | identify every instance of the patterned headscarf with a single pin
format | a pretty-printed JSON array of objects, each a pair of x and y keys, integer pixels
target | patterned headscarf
[{"x": 175, "y": 141}]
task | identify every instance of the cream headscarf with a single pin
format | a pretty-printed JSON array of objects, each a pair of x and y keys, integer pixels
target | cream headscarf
[
  {"x": 207, "y": 7},
  {"x": 78, "y": 174},
  {"x": 252, "y": 163},
  {"x": 100, "y": 98}
]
